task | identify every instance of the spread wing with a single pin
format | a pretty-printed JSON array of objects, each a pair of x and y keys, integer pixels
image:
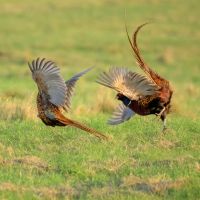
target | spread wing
[
  {"x": 120, "y": 115},
  {"x": 130, "y": 84},
  {"x": 70, "y": 84},
  {"x": 49, "y": 81}
]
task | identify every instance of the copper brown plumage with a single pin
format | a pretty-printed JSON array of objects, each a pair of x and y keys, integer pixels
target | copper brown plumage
[
  {"x": 143, "y": 95},
  {"x": 54, "y": 94}
]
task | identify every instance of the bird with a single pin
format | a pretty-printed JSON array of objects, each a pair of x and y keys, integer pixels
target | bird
[
  {"x": 54, "y": 95},
  {"x": 140, "y": 94}
]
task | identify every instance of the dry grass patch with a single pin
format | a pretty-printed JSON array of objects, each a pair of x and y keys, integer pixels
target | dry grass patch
[
  {"x": 104, "y": 101},
  {"x": 6, "y": 186},
  {"x": 43, "y": 192},
  {"x": 166, "y": 144},
  {"x": 101, "y": 192},
  {"x": 16, "y": 109},
  {"x": 55, "y": 192},
  {"x": 156, "y": 185},
  {"x": 7, "y": 150},
  {"x": 111, "y": 165},
  {"x": 30, "y": 161},
  {"x": 167, "y": 162}
]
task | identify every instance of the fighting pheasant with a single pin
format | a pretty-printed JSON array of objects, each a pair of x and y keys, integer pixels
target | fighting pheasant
[
  {"x": 54, "y": 94},
  {"x": 142, "y": 95}
]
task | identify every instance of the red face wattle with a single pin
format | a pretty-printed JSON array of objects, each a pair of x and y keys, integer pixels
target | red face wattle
[{"x": 119, "y": 96}]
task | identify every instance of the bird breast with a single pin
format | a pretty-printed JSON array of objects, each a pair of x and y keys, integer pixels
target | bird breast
[{"x": 139, "y": 108}]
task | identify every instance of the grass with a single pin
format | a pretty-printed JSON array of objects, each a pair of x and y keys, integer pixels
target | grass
[{"x": 38, "y": 162}]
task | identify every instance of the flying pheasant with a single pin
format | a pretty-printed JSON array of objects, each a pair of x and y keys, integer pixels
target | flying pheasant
[
  {"x": 54, "y": 94},
  {"x": 142, "y": 95}
]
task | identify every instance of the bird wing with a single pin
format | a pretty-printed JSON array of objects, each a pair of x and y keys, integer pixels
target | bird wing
[
  {"x": 49, "y": 81},
  {"x": 120, "y": 115},
  {"x": 70, "y": 85},
  {"x": 130, "y": 84}
]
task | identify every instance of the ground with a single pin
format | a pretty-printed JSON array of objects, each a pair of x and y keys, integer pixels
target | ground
[{"x": 139, "y": 162}]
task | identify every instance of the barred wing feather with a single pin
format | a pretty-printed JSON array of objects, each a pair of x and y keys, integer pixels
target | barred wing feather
[
  {"x": 120, "y": 115},
  {"x": 130, "y": 84},
  {"x": 49, "y": 81},
  {"x": 70, "y": 85}
]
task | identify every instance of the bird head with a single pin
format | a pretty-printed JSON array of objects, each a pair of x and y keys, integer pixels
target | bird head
[
  {"x": 119, "y": 96},
  {"x": 126, "y": 101}
]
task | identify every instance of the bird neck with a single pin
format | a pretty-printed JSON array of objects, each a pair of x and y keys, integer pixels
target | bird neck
[{"x": 126, "y": 101}]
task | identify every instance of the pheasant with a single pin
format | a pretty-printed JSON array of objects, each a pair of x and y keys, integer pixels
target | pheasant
[
  {"x": 142, "y": 95},
  {"x": 54, "y": 95}
]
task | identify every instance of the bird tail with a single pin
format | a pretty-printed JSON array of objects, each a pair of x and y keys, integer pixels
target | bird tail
[
  {"x": 133, "y": 42},
  {"x": 88, "y": 129},
  {"x": 76, "y": 124}
]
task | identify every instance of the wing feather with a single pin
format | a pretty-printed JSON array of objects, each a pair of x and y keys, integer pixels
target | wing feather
[
  {"x": 70, "y": 85},
  {"x": 49, "y": 81},
  {"x": 130, "y": 84},
  {"x": 120, "y": 115}
]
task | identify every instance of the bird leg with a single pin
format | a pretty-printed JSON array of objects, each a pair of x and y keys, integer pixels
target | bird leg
[
  {"x": 164, "y": 120},
  {"x": 162, "y": 116},
  {"x": 160, "y": 113}
]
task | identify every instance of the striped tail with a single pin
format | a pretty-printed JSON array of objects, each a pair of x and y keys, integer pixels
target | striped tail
[
  {"x": 76, "y": 124},
  {"x": 87, "y": 129},
  {"x": 133, "y": 42}
]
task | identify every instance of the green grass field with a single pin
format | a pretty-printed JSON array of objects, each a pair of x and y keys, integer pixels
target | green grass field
[{"x": 139, "y": 162}]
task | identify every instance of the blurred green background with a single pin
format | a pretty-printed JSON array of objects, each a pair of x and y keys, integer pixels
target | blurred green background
[{"x": 140, "y": 162}]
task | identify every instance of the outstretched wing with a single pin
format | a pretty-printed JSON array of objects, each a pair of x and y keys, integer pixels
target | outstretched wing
[
  {"x": 49, "y": 81},
  {"x": 120, "y": 115},
  {"x": 130, "y": 84},
  {"x": 70, "y": 84}
]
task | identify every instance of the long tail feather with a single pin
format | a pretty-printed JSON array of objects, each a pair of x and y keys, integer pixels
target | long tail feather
[
  {"x": 134, "y": 46},
  {"x": 88, "y": 129},
  {"x": 133, "y": 42},
  {"x": 76, "y": 124}
]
